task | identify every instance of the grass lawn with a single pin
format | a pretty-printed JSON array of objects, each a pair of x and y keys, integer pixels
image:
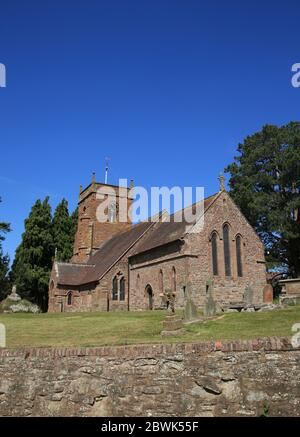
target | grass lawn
[{"x": 96, "y": 329}]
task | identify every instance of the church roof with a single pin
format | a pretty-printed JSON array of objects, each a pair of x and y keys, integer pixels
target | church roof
[
  {"x": 113, "y": 249},
  {"x": 165, "y": 232},
  {"x": 72, "y": 273},
  {"x": 102, "y": 260}
]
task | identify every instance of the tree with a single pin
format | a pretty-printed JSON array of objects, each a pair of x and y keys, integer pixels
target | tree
[
  {"x": 4, "y": 228},
  {"x": 4, "y": 262},
  {"x": 74, "y": 223},
  {"x": 4, "y": 278},
  {"x": 63, "y": 232},
  {"x": 33, "y": 261},
  {"x": 265, "y": 183}
]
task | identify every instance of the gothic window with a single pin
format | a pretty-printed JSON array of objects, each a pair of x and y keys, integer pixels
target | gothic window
[
  {"x": 238, "y": 243},
  {"x": 214, "y": 250},
  {"x": 226, "y": 243},
  {"x": 122, "y": 288},
  {"x": 161, "y": 281},
  {"x": 69, "y": 298},
  {"x": 173, "y": 277},
  {"x": 115, "y": 289}
]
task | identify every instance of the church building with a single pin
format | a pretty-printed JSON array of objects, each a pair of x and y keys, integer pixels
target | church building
[{"x": 123, "y": 266}]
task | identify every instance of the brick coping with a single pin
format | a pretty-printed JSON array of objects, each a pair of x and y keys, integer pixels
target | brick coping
[{"x": 157, "y": 349}]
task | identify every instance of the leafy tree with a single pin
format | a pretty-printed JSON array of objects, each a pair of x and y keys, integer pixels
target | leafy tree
[
  {"x": 34, "y": 256},
  {"x": 63, "y": 232},
  {"x": 265, "y": 183},
  {"x": 4, "y": 262}
]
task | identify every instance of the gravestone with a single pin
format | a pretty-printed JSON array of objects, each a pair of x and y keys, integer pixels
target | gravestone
[
  {"x": 2, "y": 335},
  {"x": 248, "y": 295},
  {"x": 268, "y": 293},
  {"x": 190, "y": 309},
  {"x": 210, "y": 308}
]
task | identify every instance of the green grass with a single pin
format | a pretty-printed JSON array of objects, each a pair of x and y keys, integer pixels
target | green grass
[{"x": 95, "y": 329}]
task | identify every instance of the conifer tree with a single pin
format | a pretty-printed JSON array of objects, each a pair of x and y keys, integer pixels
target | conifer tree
[
  {"x": 34, "y": 256},
  {"x": 63, "y": 232}
]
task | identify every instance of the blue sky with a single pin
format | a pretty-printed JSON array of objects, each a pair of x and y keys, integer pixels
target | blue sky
[{"x": 167, "y": 89}]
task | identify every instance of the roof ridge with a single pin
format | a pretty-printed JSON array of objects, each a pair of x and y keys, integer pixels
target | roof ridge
[{"x": 75, "y": 264}]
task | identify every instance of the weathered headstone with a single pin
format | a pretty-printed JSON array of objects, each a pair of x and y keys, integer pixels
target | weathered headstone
[
  {"x": 2, "y": 335},
  {"x": 190, "y": 309},
  {"x": 268, "y": 293},
  {"x": 248, "y": 295},
  {"x": 210, "y": 305}
]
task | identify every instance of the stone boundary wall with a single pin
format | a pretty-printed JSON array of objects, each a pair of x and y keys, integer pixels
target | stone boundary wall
[{"x": 236, "y": 378}]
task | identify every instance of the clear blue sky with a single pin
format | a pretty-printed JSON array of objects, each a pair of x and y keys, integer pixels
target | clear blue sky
[{"x": 167, "y": 89}]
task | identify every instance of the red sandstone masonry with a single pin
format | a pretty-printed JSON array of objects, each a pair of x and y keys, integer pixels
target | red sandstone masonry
[{"x": 264, "y": 344}]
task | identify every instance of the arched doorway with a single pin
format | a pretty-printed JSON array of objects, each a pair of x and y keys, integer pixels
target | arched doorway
[{"x": 149, "y": 295}]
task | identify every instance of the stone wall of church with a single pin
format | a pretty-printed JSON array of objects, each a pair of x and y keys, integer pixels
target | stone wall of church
[
  {"x": 162, "y": 268},
  {"x": 226, "y": 288},
  {"x": 103, "y": 297},
  {"x": 241, "y": 378}
]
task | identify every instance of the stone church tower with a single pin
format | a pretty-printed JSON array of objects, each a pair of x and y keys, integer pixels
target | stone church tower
[{"x": 91, "y": 232}]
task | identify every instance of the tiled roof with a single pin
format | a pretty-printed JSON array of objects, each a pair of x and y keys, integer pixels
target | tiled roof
[
  {"x": 113, "y": 249},
  {"x": 102, "y": 260},
  {"x": 71, "y": 273},
  {"x": 166, "y": 232}
]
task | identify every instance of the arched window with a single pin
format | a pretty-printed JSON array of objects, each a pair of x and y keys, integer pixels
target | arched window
[
  {"x": 161, "y": 281},
  {"x": 214, "y": 251},
  {"x": 122, "y": 288},
  {"x": 173, "y": 277},
  {"x": 69, "y": 301},
  {"x": 115, "y": 289},
  {"x": 226, "y": 242},
  {"x": 239, "y": 264}
]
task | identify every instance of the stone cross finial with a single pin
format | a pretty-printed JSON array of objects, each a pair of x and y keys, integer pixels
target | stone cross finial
[{"x": 222, "y": 182}]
